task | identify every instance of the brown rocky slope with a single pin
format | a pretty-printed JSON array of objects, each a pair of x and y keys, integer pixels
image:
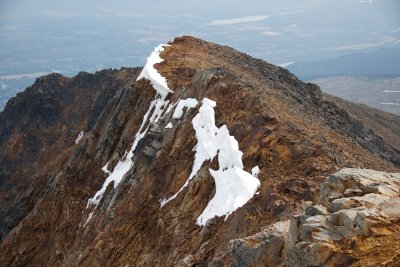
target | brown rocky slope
[{"x": 291, "y": 130}]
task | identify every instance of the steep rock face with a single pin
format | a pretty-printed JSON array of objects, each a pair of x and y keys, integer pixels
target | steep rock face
[
  {"x": 290, "y": 130},
  {"x": 39, "y": 129}
]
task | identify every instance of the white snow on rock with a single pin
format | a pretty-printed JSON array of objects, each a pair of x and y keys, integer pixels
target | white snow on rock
[
  {"x": 184, "y": 103},
  {"x": 150, "y": 73},
  {"x": 180, "y": 105},
  {"x": 234, "y": 186},
  {"x": 255, "y": 171},
  {"x": 79, "y": 138},
  {"x": 153, "y": 114},
  {"x": 124, "y": 165},
  {"x": 170, "y": 107},
  {"x": 105, "y": 168}
]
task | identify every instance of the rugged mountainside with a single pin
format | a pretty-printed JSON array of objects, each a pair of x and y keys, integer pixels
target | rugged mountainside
[
  {"x": 38, "y": 131},
  {"x": 98, "y": 201},
  {"x": 382, "y": 123}
]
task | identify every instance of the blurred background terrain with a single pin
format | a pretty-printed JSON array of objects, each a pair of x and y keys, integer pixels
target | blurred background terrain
[{"x": 351, "y": 48}]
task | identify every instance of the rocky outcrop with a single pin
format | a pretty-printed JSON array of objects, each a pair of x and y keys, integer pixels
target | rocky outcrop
[
  {"x": 356, "y": 222},
  {"x": 265, "y": 248}
]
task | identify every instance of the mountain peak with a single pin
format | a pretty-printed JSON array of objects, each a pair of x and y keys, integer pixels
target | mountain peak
[{"x": 165, "y": 165}]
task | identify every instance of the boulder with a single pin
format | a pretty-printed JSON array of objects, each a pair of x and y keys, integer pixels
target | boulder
[
  {"x": 262, "y": 249},
  {"x": 355, "y": 205}
]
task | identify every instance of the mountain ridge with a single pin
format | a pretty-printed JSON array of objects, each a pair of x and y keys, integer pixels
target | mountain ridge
[{"x": 291, "y": 130}]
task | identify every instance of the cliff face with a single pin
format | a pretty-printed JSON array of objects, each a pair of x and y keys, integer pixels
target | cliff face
[
  {"x": 39, "y": 129},
  {"x": 98, "y": 201}
]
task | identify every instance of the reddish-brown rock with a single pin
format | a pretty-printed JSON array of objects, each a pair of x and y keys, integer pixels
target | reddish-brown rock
[{"x": 293, "y": 132}]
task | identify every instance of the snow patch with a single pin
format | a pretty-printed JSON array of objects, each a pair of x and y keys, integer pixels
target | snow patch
[
  {"x": 255, "y": 171},
  {"x": 123, "y": 166},
  {"x": 149, "y": 72},
  {"x": 105, "y": 168},
  {"x": 170, "y": 107},
  {"x": 79, "y": 138},
  {"x": 90, "y": 216},
  {"x": 234, "y": 186},
  {"x": 184, "y": 103},
  {"x": 180, "y": 105},
  {"x": 153, "y": 114}
]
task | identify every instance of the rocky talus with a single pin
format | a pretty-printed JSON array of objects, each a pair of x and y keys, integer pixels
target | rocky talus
[{"x": 205, "y": 157}]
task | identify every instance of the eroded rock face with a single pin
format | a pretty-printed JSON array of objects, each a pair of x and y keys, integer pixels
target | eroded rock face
[
  {"x": 356, "y": 206},
  {"x": 38, "y": 131}
]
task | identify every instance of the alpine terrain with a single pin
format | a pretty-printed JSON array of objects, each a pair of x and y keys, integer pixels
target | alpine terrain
[{"x": 203, "y": 157}]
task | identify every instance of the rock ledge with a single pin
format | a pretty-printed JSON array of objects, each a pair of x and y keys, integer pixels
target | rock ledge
[{"x": 357, "y": 215}]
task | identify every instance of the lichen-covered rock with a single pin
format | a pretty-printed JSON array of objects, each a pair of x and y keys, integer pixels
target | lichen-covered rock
[
  {"x": 355, "y": 182},
  {"x": 372, "y": 211},
  {"x": 316, "y": 210},
  {"x": 262, "y": 249},
  {"x": 333, "y": 232},
  {"x": 309, "y": 254}
]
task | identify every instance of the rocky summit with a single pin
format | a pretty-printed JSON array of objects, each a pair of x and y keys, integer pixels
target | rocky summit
[{"x": 203, "y": 157}]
